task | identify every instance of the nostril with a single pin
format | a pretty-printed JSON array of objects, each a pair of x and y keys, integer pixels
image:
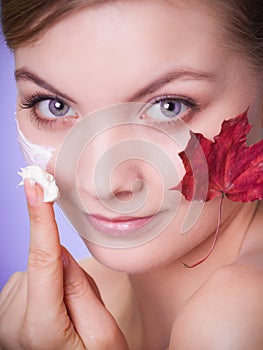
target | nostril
[{"x": 124, "y": 196}]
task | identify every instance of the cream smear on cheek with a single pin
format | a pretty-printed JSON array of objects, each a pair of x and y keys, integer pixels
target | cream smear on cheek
[
  {"x": 34, "y": 154},
  {"x": 37, "y": 157}
]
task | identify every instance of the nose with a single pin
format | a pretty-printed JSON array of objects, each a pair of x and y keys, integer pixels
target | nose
[
  {"x": 109, "y": 168},
  {"x": 121, "y": 181},
  {"x": 126, "y": 180}
]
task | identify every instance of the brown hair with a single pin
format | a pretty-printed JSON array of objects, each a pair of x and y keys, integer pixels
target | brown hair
[
  {"x": 24, "y": 20},
  {"x": 243, "y": 27}
]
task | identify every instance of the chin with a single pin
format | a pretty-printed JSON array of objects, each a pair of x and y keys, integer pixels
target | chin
[{"x": 138, "y": 259}]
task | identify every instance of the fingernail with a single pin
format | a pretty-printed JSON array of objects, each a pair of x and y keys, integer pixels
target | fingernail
[{"x": 31, "y": 192}]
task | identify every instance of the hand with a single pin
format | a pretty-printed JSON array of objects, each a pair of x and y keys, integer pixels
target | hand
[{"x": 55, "y": 305}]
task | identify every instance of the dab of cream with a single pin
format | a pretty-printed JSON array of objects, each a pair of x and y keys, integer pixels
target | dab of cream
[
  {"x": 34, "y": 154},
  {"x": 44, "y": 179}
]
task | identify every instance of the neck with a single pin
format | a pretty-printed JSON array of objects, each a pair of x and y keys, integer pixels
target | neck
[{"x": 161, "y": 293}]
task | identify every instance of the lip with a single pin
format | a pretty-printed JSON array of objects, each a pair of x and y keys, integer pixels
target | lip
[{"x": 120, "y": 226}]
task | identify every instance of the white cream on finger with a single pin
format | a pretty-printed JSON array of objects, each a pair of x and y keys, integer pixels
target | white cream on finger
[{"x": 43, "y": 178}]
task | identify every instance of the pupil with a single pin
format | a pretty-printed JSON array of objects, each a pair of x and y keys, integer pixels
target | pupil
[
  {"x": 169, "y": 106},
  {"x": 58, "y": 108},
  {"x": 171, "y": 109},
  {"x": 58, "y": 105}
]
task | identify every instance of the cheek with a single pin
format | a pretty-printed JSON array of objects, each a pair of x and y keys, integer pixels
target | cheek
[
  {"x": 255, "y": 116},
  {"x": 35, "y": 154},
  {"x": 39, "y": 144}
]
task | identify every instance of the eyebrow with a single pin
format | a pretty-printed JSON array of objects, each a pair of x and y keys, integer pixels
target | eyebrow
[
  {"x": 25, "y": 74},
  {"x": 180, "y": 74}
]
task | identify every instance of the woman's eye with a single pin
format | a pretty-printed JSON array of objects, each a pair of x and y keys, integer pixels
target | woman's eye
[
  {"x": 167, "y": 109},
  {"x": 54, "y": 108}
]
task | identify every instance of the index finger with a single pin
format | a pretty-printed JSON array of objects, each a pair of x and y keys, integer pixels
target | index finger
[{"x": 45, "y": 271}]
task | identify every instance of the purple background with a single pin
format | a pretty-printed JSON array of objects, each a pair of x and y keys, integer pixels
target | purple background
[{"x": 14, "y": 226}]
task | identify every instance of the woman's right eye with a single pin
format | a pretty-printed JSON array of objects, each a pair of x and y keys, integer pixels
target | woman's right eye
[
  {"x": 54, "y": 108},
  {"x": 46, "y": 109}
]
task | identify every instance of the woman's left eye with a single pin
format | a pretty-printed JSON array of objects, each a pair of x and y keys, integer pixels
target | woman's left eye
[
  {"x": 168, "y": 108},
  {"x": 55, "y": 108}
]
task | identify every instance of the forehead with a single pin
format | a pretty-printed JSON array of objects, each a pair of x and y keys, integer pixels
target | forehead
[{"x": 123, "y": 39}]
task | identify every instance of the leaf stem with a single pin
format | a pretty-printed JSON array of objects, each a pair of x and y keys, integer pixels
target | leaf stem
[{"x": 215, "y": 238}]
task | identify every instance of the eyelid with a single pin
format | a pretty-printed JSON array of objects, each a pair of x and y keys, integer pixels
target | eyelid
[
  {"x": 33, "y": 99},
  {"x": 186, "y": 100},
  {"x": 30, "y": 102},
  {"x": 181, "y": 98},
  {"x": 172, "y": 124}
]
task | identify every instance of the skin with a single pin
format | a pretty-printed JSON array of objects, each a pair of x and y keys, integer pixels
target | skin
[{"x": 155, "y": 303}]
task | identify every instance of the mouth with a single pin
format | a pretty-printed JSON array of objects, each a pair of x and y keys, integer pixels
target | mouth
[{"x": 120, "y": 226}]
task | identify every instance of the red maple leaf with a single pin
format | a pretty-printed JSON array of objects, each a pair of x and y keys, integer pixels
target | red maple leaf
[
  {"x": 226, "y": 166},
  {"x": 233, "y": 168}
]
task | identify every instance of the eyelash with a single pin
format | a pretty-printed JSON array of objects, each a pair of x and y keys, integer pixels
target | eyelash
[
  {"x": 190, "y": 103},
  {"x": 31, "y": 103}
]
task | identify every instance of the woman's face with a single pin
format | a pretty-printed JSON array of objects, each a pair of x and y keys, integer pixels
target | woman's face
[{"x": 82, "y": 78}]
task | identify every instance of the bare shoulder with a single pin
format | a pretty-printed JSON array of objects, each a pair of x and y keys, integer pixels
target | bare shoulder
[{"x": 226, "y": 312}]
